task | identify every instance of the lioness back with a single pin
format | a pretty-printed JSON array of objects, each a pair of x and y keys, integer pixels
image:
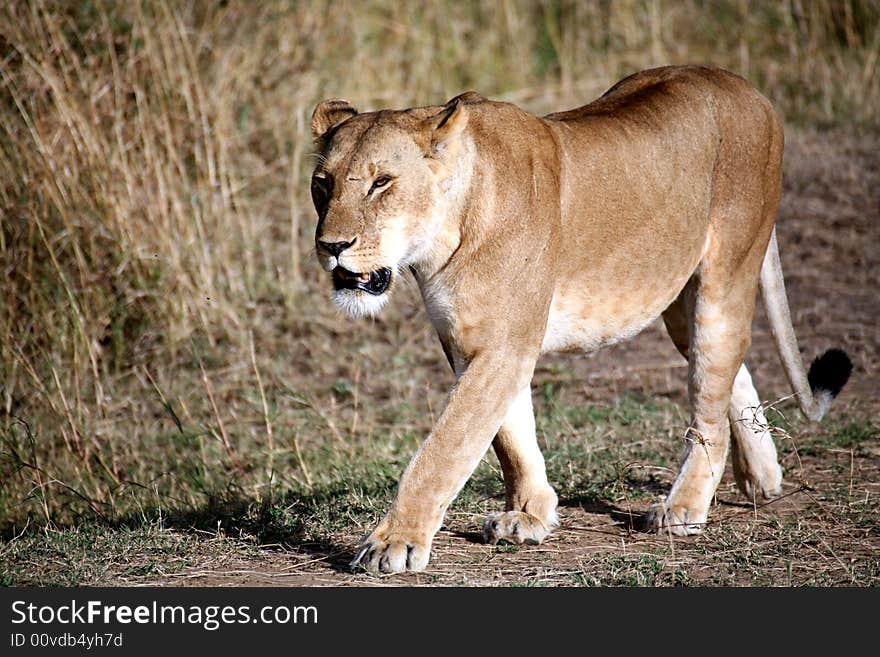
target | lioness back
[{"x": 639, "y": 168}]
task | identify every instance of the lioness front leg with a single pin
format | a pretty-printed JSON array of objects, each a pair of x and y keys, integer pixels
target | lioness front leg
[
  {"x": 530, "y": 500},
  {"x": 444, "y": 462}
]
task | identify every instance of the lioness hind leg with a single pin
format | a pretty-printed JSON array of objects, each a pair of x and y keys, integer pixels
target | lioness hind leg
[
  {"x": 755, "y": 463},
  {"x": 720, "y": 318},
  {"x": 530, "y": 513}
]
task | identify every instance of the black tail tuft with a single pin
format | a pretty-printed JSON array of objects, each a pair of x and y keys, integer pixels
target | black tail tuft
[{"x": 830, "y": 372}]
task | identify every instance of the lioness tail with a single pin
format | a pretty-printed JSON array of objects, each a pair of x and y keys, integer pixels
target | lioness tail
[{"x": 828, "y": 373}]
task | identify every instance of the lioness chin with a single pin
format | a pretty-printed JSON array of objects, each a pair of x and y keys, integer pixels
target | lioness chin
[{"x": 528, "y": 235}]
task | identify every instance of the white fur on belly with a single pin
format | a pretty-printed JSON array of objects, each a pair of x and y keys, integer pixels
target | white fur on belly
[{"x": 566, "y": 332}]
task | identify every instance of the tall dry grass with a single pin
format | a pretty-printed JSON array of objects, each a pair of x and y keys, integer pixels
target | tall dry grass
[{"x": 156, "y": 229}]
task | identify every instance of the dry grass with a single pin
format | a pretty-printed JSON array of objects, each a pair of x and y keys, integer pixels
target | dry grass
[{"x": 165, "y": 342}]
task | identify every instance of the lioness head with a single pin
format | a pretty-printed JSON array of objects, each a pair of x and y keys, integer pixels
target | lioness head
[{"x": 381, "y": 190}]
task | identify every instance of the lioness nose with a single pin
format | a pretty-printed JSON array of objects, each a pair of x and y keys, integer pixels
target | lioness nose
[{"x": 335, "y": 248}]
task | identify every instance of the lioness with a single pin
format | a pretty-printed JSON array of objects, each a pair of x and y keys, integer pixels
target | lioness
[{"x": 528, "y": 235}]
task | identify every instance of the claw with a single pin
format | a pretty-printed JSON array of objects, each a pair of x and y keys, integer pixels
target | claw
[
  {"x": 390, "y": 556},
  {"x": 360, "y": 556}
]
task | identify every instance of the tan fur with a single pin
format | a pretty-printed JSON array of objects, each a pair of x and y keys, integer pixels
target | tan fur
[{"x": 567, "y": 232}]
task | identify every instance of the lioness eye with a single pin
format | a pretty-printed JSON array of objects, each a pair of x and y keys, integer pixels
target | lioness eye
[
  {"x": 321, "y": 188},
  {"x": 380, "y": 182}
]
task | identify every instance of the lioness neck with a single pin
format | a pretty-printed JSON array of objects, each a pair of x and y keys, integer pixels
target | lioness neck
[{"x": 456, "y": 187}]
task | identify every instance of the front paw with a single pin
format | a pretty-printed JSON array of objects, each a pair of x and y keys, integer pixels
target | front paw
[{"x": 392, "y": 553}]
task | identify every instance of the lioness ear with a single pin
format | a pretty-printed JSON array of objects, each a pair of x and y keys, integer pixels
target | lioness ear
[
  {"x": 329, "y": 114},
  {"x": 448, "y": 125}
]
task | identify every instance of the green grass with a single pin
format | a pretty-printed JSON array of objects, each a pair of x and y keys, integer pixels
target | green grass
[
  {"x": 629, "y": 570},
  {"x": 837, "y": 432},
  {"x": 851, "y": 434},
  {"x": 94, "y": 554}
]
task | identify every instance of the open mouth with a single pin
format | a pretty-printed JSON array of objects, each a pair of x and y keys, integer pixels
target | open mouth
[{"x": 374, "y": 282}]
